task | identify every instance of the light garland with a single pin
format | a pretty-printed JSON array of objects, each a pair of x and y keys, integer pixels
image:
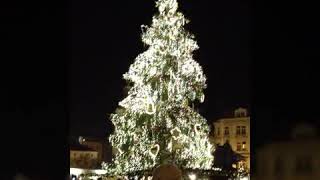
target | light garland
[
  {"x": 202, "y": 98},
  {"x": 154, "y": 154},
  {"x": 164, "y": 79},
  {"x": 150, "y": 104},
  {"x": 174, "y": 132},
  {"x": 196, "y": 128}
]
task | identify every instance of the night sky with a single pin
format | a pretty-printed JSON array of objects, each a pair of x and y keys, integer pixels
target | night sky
[{"x": 62, "y": 66}]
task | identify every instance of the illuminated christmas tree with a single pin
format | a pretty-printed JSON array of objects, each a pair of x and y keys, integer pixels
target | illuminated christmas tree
[{"x": 155, "y": 123}]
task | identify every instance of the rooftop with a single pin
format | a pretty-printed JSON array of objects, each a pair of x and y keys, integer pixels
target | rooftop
[
  {"x": 79, "y": 147},
  {"x": 304, "y": 130},
  {"x": 236, "y": 113}
]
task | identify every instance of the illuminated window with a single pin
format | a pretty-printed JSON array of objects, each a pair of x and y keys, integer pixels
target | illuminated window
[
  {"x": 226, "y": 131},
  {"x": 244, "y": 146},
  {"x": 238, "y": 130},
  {"x": 243, "y": 130}
]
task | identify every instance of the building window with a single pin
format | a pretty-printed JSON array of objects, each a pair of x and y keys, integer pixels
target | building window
[
  {"x": 303, "y": 165},
  {"x": 244, "y": 146},
  {"x": 226, "y": 131},
  {"x": 238, "y": 146},
  {"x": 238, "y": 130},
  {"x": 241, "y": 112},
  {"x": 243, "y": 130},
  {"x": 218, "y": 131}
]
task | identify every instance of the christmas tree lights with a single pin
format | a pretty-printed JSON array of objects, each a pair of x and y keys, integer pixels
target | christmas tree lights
[{"x": 155, "y": 123}]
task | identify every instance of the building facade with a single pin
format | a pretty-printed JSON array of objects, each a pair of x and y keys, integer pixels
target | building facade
[
  {"x": 236, "y": 131},
  {"x": 100, "y": 145},
  {"x": 88, "y": 152},
  {"x": 95, "y": 144},
  {"x": 83, "y": 157},
  {"x": 295, "y": 159}
]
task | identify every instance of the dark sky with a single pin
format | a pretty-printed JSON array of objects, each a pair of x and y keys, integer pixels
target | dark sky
[
  {"x": 285, "y": 76},
  {"x": 62, "y": 66},
  {"x": 106, "y": 39}
]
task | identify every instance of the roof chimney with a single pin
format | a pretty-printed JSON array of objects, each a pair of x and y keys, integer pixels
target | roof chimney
[{"x": 241, "y": 112}]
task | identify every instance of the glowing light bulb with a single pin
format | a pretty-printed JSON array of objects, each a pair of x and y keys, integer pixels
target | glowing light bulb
[{"x": 192, "y": 177}]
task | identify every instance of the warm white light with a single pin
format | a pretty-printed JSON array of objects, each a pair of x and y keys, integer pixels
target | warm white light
[
  {"x": 154, "y": 154},
  {"x": 192, "y": 177},
  {"x": 217, "y": 169},
  {"x": 100, "y": 171},
  {"x": 80, "y": 139},
  {"x": 76, "y": 171},
  {"x": 94, "y": 177},
  {"x": 164, "y": 81},
  {"x": 244, "y": 178}
]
